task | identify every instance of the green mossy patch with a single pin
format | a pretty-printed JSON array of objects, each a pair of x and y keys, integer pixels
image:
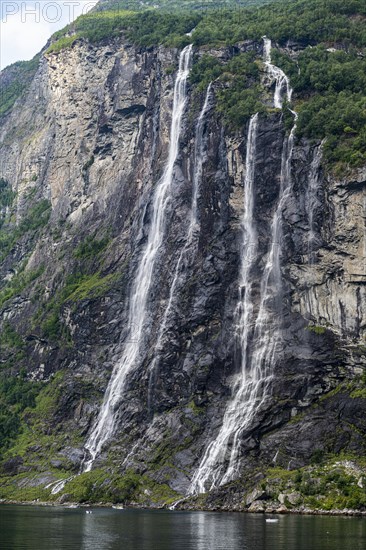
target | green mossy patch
[
  {"x": 36, "y": 218},
  {"x": 18, "y": 283},
  {"x": 102, "y": 486},
  {"x": 317, "y": 329},
  {"x": 95, "y": 487},
  {"x": 336, "y": 483},
  {"x": 23, "y": 488},
  {"x": 17, "y": 394},
  {"x": 20, "y": 75},
  {"x": 63, "y": 43},
  {"x": 77, "y": 288}
]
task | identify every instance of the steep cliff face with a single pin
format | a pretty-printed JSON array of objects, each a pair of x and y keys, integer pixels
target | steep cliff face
[{"x": 84, "y": 151}]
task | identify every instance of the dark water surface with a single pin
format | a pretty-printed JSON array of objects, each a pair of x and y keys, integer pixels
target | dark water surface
[{"x": 46, "y": 528}]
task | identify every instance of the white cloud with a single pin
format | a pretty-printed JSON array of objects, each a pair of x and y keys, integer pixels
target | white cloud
[{"x": 25, "y": 26}]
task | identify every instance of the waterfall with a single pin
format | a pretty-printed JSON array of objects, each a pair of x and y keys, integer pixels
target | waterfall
[
  {"x": 313, "y": 202},
  {"x": 199, "y": 153},
  {"x": 257, "y": 372},
  {"x": 199, "y": 157},
  {"x": 259, "y": 335},
  {"x": 105, "y": 424},
  {"x": 213, "y": 461},
  {"x": 276, "y": 75}
]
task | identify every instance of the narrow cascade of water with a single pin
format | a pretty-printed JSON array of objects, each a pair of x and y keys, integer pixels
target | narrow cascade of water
[
  {"x": 186, "y": 253},
  {"x": 313, "y": 204},
  {"x": 104, "y": 426},
  {"x": 267, "y": 331},
  {"x": 283, "y": 87},
  {"x": 312, "y": 199},
  {"x": 259, "y": 335},
  {"x": 57, "y": 486},
  {"x": 212, "y": 466}
]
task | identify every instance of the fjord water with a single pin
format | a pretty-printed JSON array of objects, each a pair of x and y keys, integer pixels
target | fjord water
[{"x": 38, "y": 528}]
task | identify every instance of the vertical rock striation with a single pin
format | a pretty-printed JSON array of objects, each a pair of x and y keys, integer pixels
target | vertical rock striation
[{"x": 145, "y": 231}]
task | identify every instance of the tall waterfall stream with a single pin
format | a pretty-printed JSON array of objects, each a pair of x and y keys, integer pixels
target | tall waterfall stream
[
  {"x": 257, "y": 326},
  {"x": 193, "y": 227},
  {"x": 259, "y": 335}
]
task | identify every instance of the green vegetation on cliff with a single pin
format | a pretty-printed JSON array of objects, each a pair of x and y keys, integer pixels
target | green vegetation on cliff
[
  {"x": 328, "y": 75},
  {"x": 146, "y": 28},
  {"x": 306, "y": 21},
  {"x": 6, "y": 196},
  {"x": 327, "y": 70},
  {"x": 329, "y": 88},
  {"x": 14, "y": 81},
  {"x": 176, "y": 5},
  {"x": 37, "y": 217},
  {"x": 330, "y": 483},
  {"x": 18, "y": 283},
  {"x": 16, "y": 394},
  {"x": 240, "y": 93}
]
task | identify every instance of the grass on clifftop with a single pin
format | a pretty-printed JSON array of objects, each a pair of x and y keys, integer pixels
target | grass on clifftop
[{"x": 306, "y": 21}]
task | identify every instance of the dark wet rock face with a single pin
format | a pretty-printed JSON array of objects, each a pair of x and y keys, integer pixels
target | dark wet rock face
[{"x": 94, "y": 144}]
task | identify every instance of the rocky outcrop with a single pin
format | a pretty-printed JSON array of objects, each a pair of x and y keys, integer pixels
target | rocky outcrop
[{"x": 91, "y": 137}]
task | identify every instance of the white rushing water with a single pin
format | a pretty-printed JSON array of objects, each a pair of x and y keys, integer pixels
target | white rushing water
[
  {"x": 212, "y": 465},
  {"x": 283, "y": 88},
  {"x": 193, "y": 227},
  {"x": 57, "y": 486},
  {"x": 105, "y": 424},
  {"x": 259, "y": 334},
  {"x": 313, "y": 202}
]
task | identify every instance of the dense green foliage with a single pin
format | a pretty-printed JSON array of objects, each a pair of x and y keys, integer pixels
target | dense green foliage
[
  {"x": 18, "y": 283},
  {"x": 341, "y": 119},
  {"x": 307, "y": 21},
  {"x": 36, "y": 218},
  {"x": 90, "y": 247},
  {"x": 145, "y": 28},
  {"x": 16, "y": 394},
  {"x": 6, "y": 195},
  {"x": 240, "y": 92},
  {"x": 14, "y": 81},
  {"x": 330, "y": 86},
  {"x": 9, "y": 339},
  {"x": 176, "y": 5}
]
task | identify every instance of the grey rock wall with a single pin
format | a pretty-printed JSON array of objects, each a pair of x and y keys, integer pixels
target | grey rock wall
[{"x": 91, "y": 136}]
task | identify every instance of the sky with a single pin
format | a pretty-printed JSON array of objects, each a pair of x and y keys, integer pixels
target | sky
[{"x": 26, "y": 25}]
